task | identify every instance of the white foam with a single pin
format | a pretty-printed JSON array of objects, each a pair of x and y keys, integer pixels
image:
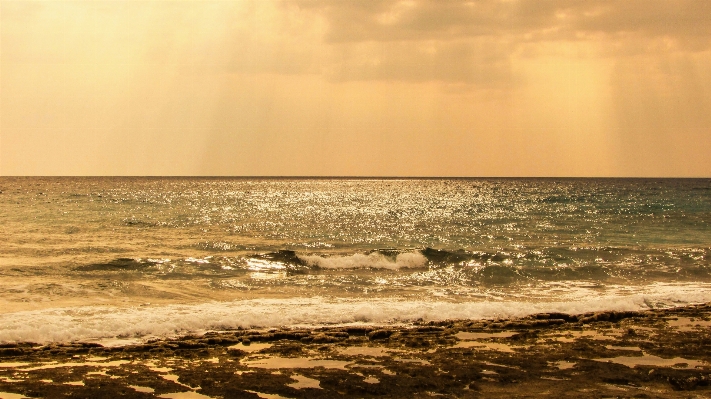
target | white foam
[
  {"x": 102, "y": 322},
  {"x": 361, "y": 261}
]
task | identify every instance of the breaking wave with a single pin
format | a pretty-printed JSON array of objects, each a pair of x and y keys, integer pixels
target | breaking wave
[
  {"x": 106, "y": 322},
  {"x": 374, "y": 260}
]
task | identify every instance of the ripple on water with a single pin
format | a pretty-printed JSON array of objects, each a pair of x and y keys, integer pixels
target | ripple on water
[
  {"x": 54, "y": 365},
  {"x": 465, "y": 336},
  {"x": 276, "y": 362},
  {"x": 7, "y": 365},
  {"x": 684, "y": 324},
  {"x": 367, "y": 351},
  {"x": 185, "y": 395},
  {"x": 563, "y": 365},
  {"x": 494, "y": 346},
  {"x": 142, "y": 389},
  {"x": 651, "y": 360},
  {"x": 623, "y": 348},
  {"x": 304, "y": 382},
  {"x": 267, "y": 395},
  {"x": 254, "y": 347}
]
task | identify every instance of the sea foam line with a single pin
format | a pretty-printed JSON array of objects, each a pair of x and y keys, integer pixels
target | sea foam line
[{"x": 100, "y": 322}]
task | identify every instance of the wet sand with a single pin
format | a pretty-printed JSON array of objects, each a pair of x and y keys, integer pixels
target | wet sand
[{"x": 652, "y": 354}]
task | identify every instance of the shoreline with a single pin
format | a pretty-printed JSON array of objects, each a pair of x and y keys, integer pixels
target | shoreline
[{"x": 653, "y": 353}]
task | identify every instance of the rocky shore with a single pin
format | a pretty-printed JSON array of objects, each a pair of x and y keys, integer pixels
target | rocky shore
[{"x": 652, "y": 354}]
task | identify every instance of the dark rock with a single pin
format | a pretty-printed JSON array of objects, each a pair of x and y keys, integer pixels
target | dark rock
[
  {"x": 11, "y": 352},
  {"x": 429, "y": 329},
  {"x": 380, "y": 334},
  {"x": 191, "y": 345},
  {"x": 358, "y": 330}
]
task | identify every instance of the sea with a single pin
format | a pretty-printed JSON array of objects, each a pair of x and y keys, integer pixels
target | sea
[{"x": 117, "y": 260}]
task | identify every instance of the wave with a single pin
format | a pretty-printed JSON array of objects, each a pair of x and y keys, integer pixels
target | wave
[
  {"x": 374, "y": 260},
  {"x": 504, "y": 266},
  {"x": 119, "y": 264},
  {"x": 106, "y": 322}
]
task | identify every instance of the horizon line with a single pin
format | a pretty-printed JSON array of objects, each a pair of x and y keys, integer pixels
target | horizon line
[{"x": 352, "y": 177}]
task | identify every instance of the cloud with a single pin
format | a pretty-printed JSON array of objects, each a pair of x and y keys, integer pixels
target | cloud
[
  {"x": 475, "y": 41},
  {"x": 467, "y": 61},
  {"x": 395, "y": 20},
  {"x": 472, "y": 42},
  {"x": 357, "y": 86},
  {"x": 677, "y": 19},
  {"x": 406, "y": 20}
]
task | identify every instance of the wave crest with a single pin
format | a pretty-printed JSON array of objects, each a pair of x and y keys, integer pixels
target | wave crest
[
  {"x": 374, "y": 260},
  {"x": 107, "y": 322}
]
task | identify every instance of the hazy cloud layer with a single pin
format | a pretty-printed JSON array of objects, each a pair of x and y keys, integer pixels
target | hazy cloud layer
[
  {"x": 381, "y": 87},
  {"x": 474, "y": 41},
  {"x": 387, "y": 20}
]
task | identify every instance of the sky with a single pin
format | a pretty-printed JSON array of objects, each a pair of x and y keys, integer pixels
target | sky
[{"x": 356, "y": 88}]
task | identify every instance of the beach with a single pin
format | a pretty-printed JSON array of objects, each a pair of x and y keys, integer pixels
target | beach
[
  {"x": 647, "y": 354},
  {"x": 321, "y": 199},
  {"x": 320, "y": 288}
]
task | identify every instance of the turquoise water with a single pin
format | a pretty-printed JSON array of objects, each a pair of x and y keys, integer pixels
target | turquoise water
[{"x": 339, "y": 250}]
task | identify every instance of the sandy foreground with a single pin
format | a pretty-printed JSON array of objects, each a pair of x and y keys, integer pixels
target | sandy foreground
[{"x": 652, "y": 354}]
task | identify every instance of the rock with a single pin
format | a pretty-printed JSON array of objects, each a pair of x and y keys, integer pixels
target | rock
[
  {"x": 191, "y": 345},
  {"x": 358, "y": 330},
  {"x": 11, "y": 352},
  {"x": 380, "y": 334}
]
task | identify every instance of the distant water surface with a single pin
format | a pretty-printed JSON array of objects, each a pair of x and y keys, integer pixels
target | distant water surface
[{"x": 99, "y": 258}]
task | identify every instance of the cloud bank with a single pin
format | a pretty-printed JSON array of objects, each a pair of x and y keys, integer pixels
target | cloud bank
[{"x": 532, "y": 87}]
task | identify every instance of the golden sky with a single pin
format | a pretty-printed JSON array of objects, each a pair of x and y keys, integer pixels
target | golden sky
[{"x": 361, "y": 87}]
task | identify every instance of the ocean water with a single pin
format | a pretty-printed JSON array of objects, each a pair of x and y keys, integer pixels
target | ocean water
[{"x": 120, "y": 259}]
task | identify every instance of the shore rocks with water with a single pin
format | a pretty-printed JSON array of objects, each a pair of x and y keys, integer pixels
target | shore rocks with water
[{"x": 657, "y": 353}]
